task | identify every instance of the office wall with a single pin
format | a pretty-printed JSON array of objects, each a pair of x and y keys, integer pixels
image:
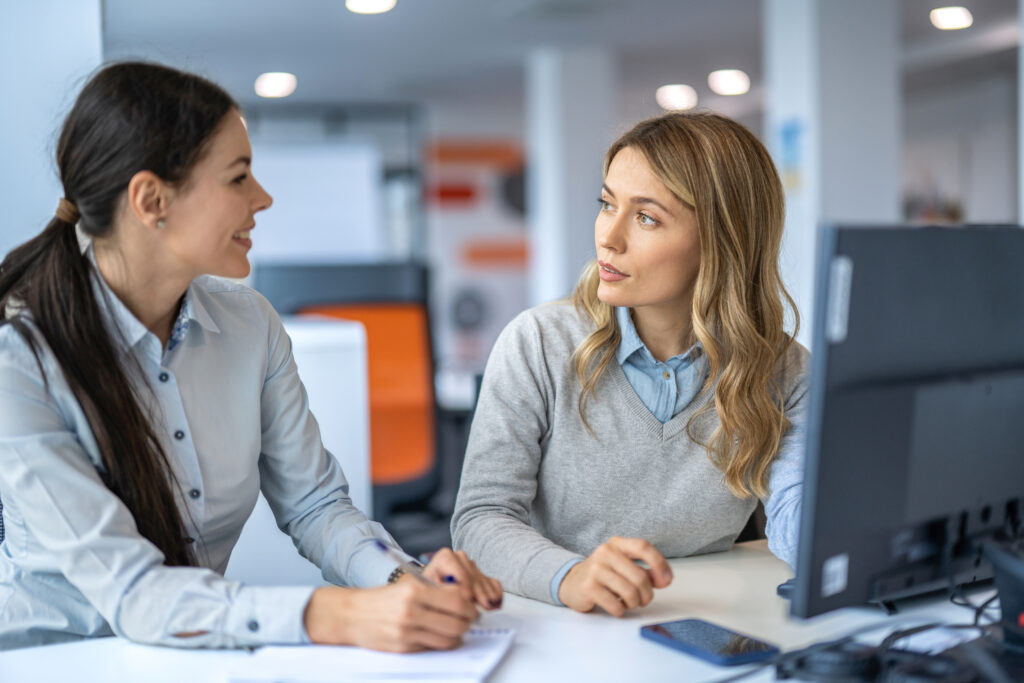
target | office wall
[
  {"x": 47, "y": 49},
  {"x": 961, "y": 146}
]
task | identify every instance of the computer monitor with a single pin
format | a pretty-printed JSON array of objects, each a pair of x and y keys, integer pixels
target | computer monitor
[{"x": 915, "y": 438}]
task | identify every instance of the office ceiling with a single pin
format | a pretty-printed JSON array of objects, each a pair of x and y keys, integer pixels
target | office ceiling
[
  {"x": 426, "y": 48},
  {"x": 442, "y": 48}
]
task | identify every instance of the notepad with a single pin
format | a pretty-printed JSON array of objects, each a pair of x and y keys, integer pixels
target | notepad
[{"x": 480, "y": 653}]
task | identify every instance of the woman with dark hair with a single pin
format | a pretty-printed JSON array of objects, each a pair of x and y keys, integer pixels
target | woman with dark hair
[
  {"x": 644, "y": 419},
  {"x": 145, "y": 404}
]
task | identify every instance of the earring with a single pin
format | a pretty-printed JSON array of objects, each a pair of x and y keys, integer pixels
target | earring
[{"x": 160, "y": 224}]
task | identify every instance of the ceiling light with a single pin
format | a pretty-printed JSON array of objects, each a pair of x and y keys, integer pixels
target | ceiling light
[
  {"x": 729, "y": 82},
  {"x": 676, "y": 97},
  {"x": 951, "y": 18},
  {"x": 369, "y": 6},
  {"x": 276, "y": 84}
]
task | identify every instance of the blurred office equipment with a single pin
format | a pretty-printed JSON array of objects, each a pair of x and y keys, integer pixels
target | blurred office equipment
[
  {"x": 331, "y": 359},
  {"x": 390, "y": 300},
  {"x": 915, "y": 476}
]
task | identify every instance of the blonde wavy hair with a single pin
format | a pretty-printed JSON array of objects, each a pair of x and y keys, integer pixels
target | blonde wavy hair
[{"x": 721, "y": 170}]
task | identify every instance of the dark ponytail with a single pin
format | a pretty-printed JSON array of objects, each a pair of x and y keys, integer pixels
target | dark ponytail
[{"x": 130, "y": 117}]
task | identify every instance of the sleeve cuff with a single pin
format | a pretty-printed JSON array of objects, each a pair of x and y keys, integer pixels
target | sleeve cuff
[
  {"x": 265, "y": 616},
  {"x": 556, "y": 580},
  {"x": 369, "y": 567}
]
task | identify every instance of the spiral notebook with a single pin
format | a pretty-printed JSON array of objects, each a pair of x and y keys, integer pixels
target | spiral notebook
[{"x": 480, "y": 653}]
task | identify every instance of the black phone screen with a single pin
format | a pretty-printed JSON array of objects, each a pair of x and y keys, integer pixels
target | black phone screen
[{"x": 710, "y": 638}]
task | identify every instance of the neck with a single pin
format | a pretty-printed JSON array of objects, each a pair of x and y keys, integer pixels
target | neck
[
  {"x": 666, "y": 333},
  {"x": 148, "y": 291}
]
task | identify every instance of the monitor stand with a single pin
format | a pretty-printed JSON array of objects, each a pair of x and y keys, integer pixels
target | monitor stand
[{"x": 1007, "y": 558}]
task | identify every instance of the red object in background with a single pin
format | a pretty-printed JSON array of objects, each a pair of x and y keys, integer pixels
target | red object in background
[
  {"x": 485, "y": 254},
  {"x": 452, "y": 193},
  {"x": 500, "y": 154}
]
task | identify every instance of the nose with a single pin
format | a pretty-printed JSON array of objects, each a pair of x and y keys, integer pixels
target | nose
[
  {"x": 611, "y": 233},
  {"x": 262, "y": 199}
]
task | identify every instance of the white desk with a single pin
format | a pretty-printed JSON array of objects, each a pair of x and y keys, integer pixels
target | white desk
[
  {"x": 735, "y": 589},
  {"x": 331, "y": 358}
]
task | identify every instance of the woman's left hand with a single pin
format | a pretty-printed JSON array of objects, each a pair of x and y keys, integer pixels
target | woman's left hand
[{"x": 456, "y": 568}]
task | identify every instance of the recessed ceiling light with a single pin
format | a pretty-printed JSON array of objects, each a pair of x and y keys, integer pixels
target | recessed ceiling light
[
  {"x": 676, "y": 97},
  {"x": 369, "y": 6},
  {"x": 729, "y": 82},
  {"x": 276, "y": 84},
  {"x": 951, "y": 18}
]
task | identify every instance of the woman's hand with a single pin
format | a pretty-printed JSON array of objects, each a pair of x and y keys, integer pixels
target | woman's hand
[
  {"x": 473, "y": 584},
  {"x": 611, "y": 580},
  {"x": 407, "y": 616}
]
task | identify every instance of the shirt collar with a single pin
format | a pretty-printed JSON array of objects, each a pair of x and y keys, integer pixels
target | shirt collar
[
  {"x": 631, "y": 342},
  {"x": 196, "y": 310}
]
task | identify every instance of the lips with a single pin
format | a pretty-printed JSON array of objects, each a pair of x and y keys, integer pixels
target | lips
[
  {"x": 244, "y": 234},
  {"x": 609, "y": 273},
  {"x": 611, "y": 270}
]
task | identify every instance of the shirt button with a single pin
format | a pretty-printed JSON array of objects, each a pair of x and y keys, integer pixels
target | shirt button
[
  {"x": 253, "y": 625},
  {"x": 194, "y": 493},
  {"x": 666, "y": 374},
  {"x": 179, "y": 435},
  {"x": 163, "y": 377}
]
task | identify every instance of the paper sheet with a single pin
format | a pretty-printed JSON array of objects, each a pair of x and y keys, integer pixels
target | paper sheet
[{"x": 481, "y": 651}]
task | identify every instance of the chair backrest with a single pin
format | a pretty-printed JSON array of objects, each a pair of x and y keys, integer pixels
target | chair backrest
[{"x": 390, "y": 299}]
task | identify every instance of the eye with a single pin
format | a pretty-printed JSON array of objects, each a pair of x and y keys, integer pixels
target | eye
[
  {"x": 605, "y": 206},
  {"x": 644, "y": 219},
  {"x": 240, "y": 179}
]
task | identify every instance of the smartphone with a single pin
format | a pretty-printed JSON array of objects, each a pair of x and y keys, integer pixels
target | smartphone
[{"x": 709, "y": 642}]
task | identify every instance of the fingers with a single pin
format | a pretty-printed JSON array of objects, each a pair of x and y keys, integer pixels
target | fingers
[
  {"x": 610, "y": 578},
  {"x": 639, "y": 549},
  {"x": 432, "y": 640},
  {"x": 456, "y": 567},
  {"x": 447, "y": 600}
]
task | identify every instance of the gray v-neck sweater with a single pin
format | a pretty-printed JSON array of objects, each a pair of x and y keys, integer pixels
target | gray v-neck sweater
[{"x": 538, "y": 489}]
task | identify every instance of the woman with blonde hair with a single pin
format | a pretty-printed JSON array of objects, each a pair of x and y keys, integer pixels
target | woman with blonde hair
[{"x": 644, "y": 419}]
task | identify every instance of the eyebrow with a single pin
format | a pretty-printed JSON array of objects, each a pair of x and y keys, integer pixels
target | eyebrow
[
  {"x": 241, "y": 160},
  {"x": 642, "y": 200}
]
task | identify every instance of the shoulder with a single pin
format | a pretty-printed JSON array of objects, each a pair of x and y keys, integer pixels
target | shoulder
[
  {"x": 226, "y": 299},
  {"x": 16, "y": 351},
  {"x": 554, "y": 328},
  {"x": 793, "y": 371},
  {"x": 557, "y": 320}
]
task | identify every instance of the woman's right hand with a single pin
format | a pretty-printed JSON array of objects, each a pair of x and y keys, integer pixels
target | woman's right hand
[
  {"x": 610, "y": 579},
  {"x": 407, "y": 616}
]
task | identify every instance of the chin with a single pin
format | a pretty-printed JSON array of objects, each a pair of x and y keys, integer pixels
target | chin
[
  {"x": 235, "y": 271},
  {"x": 612, "y": 298}
]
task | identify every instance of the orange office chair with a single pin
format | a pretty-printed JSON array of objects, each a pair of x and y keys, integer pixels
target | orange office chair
[{"x": 390, "y": 299}]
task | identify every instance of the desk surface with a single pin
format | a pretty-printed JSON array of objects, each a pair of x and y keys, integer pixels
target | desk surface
[{"x": 735, "y": 589}]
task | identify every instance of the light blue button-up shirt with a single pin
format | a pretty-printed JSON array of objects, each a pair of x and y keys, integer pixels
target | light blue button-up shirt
[
  {"x": 234, "y": 419},
  {"x": 666, "y": 388}
]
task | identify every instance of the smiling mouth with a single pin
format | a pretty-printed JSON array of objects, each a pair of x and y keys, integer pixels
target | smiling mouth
[
  {"x": 241, "y": 235},
  {"x": 608, "y": 269}
]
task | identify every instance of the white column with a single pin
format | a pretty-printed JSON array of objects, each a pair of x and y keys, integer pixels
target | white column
[
  {"x": 832, "y": 122},
  {"x": 47, "y": 49},
  {"x": 570, "y": 101}
]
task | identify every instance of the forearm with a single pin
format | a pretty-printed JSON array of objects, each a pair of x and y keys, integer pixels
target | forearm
[
  {"x": 509, "y": 550},
  {"x": 191, "y": 607}
]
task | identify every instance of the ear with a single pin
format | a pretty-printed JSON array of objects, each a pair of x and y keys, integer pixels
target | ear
[{"x": 148, "y": 198}]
